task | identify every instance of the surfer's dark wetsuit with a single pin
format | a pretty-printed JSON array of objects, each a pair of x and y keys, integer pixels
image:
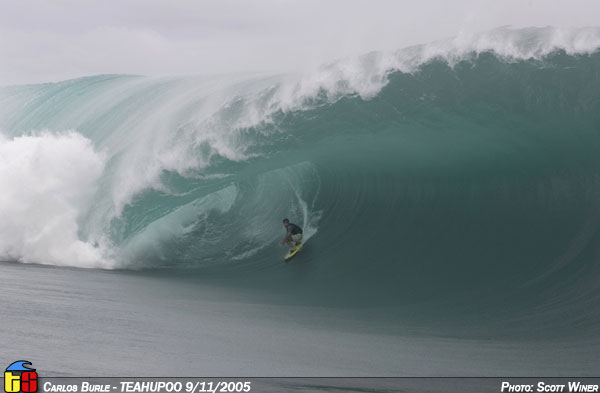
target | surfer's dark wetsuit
[
  {"x": 294, "y": 229},
  {"x": 293, "y": 234}
]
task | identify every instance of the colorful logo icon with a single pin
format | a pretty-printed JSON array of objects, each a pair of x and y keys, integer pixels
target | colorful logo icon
[{"x": 20, "y": 378}]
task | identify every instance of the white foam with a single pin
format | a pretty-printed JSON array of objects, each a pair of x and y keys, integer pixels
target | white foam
[
  {"x": 366, "y": 75},
  {"x": 46, "y": 184}
]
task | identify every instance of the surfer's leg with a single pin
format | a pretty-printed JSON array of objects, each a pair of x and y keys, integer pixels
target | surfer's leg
[
  {"x": 297, "y": 238},
  {"x": 290, "y": 244}
]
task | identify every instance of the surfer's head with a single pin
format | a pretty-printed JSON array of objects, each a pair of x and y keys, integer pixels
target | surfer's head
[{"x": 286, "y": 222}]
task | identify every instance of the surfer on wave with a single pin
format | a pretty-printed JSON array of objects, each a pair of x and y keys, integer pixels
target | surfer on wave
[{"x": 293, "y": 236}]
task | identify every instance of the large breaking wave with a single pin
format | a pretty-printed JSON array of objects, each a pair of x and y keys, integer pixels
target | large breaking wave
[{"x": 466, "y": 164}]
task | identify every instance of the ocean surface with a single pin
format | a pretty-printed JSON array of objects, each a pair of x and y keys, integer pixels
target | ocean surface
[{"x": 449, "y": 194}]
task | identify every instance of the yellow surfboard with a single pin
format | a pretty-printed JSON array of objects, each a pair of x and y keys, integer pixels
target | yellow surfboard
[{"x": 291, "y": 254}]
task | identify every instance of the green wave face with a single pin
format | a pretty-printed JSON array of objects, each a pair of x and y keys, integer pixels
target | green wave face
[{"x": 480, "y": 176}]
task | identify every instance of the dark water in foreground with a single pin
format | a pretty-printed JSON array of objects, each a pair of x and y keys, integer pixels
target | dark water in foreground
[{"x": 72, "y": 322}]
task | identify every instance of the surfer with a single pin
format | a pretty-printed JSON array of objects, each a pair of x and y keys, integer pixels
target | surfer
[{"x": 293, "y": 236}]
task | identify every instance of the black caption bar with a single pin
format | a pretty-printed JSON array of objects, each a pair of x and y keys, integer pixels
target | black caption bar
[{"x": 267, "y": 385}]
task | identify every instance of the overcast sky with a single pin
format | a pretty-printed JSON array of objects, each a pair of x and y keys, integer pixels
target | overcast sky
[{"x": 50, "y": 40}]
